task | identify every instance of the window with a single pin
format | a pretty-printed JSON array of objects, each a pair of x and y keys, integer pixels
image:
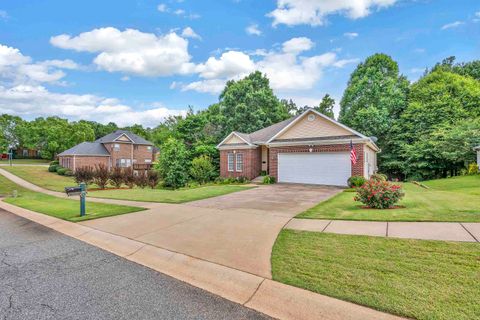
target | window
[
  {"x": 148, "y": 160},
  {"x": 239, "y": 162},
  {"x": 230, "y": 161},
  {"x": 25, "y": 152},
  {"x": 135, "y": 147},
  {"x": 124, "y": 163},
  {"x": 116, "y": 147},
  {"x": 149, "y": 148}
]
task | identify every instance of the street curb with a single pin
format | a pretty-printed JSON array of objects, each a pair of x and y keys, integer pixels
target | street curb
[{"x": 269, "y": 297}]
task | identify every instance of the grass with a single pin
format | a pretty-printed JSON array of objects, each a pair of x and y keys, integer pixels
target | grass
[
  {"x": 52, "y": 181},
  {"x": 412, "y": 278},
  {"x": 61, "y": 208},
  {"x": 452, "y": 199},
  {"x": 169, "y": 196},
  {"x": 41, "y": 177},
  {"x": 26, "y": 161}
]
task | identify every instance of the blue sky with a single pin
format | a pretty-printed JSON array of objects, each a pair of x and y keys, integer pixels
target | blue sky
[{"x": 139, "y": 61}]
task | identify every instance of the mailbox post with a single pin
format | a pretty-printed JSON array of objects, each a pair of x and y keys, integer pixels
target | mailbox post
[{"x": 83, "y": 195}]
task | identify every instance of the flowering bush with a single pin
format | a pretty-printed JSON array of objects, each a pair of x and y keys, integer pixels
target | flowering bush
[{"x": 379, "y": 194}]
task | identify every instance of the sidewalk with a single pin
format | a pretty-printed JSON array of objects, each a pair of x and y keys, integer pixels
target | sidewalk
[
  {"x": 444, "y": 231},
  {"x": 269, "y": 297}
]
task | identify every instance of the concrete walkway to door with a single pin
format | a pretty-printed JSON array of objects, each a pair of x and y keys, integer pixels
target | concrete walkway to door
[{"x": 444, "y": 231}]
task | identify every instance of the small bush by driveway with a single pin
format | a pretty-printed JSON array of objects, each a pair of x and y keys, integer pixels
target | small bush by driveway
[{"x": 454, "y": 199}]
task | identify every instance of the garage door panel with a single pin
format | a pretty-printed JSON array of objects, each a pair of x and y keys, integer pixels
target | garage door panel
[{"x": 314, "y": 168}]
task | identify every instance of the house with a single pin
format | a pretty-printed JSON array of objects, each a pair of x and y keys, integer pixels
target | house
[
  {"x": 310, "y": 148},
  {"x": 477, "y": 149},
  {"x": 26, "y": 153},
  {"x": 118, "y": 149}
]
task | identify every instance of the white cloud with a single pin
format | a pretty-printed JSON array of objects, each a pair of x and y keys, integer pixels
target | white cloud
[
  {"x": 287, "y": 69},
  {"x": 125, "y": 78},
  {"x": 296, "y": 45},
  {"x": 452, "y": 25},
  {"x": 253, "y": 30},
  {"x": 162, "y": 7},
  {"x": 314, "y": 12},
  {"x": 230, "y": 64},
  {"x": 179, "y": 12},
  {"x": 189, "y": 33},
  {"x": 131, "y": 51},
  {"x": 350, "y": 35},
  {"x": 16, "y": 68},
  {"x": 34, "y": 101}
]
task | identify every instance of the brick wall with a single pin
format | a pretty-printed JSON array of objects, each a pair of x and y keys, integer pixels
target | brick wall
[
  {"x": 252, "y": 163},
  {"x": 82, "y": 161},
  {"x": 357, "y": 169},
  {"x": 130, "y": 151}
]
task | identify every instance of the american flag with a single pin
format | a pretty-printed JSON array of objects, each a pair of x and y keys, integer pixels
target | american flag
[{"x": 353, "y": 153}]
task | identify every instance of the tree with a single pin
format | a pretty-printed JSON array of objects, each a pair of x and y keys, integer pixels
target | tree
[
  {"x": 437, "y": 102},
  {"x": 9, "y": 132},
  {"x": 249, "y": 104},
  {"x": 374, "y": 85},
  {"x": 173, "y": 164},
  {"x": 372, "y": 103},
  {"x": 326, "y": 106}
]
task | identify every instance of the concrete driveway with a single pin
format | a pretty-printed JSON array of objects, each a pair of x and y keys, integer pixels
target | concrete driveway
[{"x": 237, "y": 230}]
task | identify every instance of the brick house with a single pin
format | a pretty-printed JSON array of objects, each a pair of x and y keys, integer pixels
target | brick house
[
  {"x": 309, "y": 148},
  {"x": 118, "y": 149}
]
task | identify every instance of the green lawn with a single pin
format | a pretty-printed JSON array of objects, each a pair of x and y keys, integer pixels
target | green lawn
[
  {"x": 61, "y": 208},
  {"x": 412, "y": 278},
  {"x": 41, "y": 177},
  {"x": 26, "y": 161},
  {"x": 52, "y": 181},
  {"x": 453, "y": 199},
  {"x": 169, "y": 196}
]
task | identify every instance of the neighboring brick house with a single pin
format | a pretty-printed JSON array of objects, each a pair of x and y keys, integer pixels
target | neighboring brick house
[
  {"x": 310, "y": 148},
  {"x": 118, "y": 149}
]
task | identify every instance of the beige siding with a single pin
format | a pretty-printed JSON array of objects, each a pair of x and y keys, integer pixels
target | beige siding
[
  {"x": 124, "y": 138},
  {"x": 234, "y": 140},
  {"x": 319, "y": 127}
]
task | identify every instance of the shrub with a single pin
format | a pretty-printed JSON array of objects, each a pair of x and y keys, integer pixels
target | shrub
[
  {"x": 84, "y": 174},
  {"x": 61, "y": 171},
  {"x": 116, "y": 177},
  {"x": 356, "y": 181},
  {"x": 153, "y": 178},
  {"x": 129, "y": 177},
  {"x": 173, "y": 164},
  {"x": 472, "y": 168},
  {"x": 52, "y": 168},
  {"x": 378, "y": 177},
  {"x": 141, "y": 181},
  {"x": 268, "y": 180},
  {"x": 69, "y": 173},
  {"x": 241, "y": 179},
  {"x": 54, "y": 162},
  {"x": 202, "y": 169},
  {"x": 379, "y": 194},
  {"x": 101, "y": 175}
]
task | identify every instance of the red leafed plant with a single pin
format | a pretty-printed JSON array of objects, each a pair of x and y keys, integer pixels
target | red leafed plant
[{"x": 379, "y": 194}]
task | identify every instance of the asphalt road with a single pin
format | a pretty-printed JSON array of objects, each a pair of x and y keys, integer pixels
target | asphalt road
[{"x": 47, "y": 275}]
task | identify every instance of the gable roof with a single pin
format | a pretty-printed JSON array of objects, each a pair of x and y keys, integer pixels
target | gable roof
[
  {"x": 268, "y": 134},
  {"x": 86, "y": 149},
  {"x": 114, "y": 136}
]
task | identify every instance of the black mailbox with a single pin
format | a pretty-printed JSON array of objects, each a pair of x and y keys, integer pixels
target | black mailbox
[{"x": 73, "y": 191}]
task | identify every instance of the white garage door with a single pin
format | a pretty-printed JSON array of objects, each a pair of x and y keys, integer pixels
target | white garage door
[{"x": 314, "y": 168}]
